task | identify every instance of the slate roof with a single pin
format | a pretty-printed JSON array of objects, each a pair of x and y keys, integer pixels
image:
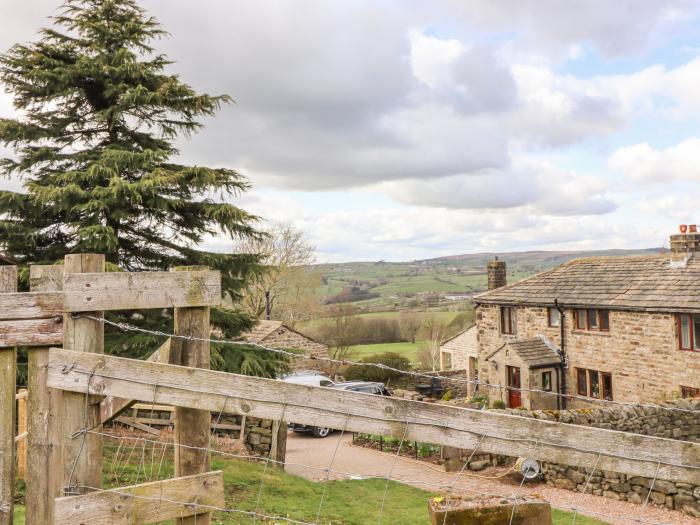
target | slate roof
[
  {"x": 261, "y": 330},
  {"x": 535, "y": 352},
  {"x": 642, "y": 283}
]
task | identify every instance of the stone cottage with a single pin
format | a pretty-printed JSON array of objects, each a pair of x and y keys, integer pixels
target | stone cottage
[
  {"x": 616, "y": 328},
  {"x": 459, "y": 353},
  {"x": 277, "y": 335}
]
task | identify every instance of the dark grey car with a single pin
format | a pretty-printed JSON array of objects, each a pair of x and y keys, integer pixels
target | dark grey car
[{"x": 366, "y": 387}]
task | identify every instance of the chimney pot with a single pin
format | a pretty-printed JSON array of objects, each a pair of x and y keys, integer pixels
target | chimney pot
[{"x": 684, "y": 245}]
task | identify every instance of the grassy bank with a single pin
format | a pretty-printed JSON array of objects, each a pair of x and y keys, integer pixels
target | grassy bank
[
  {"x": 408, "y": 350},
  {"x": 346, "y": 502}
]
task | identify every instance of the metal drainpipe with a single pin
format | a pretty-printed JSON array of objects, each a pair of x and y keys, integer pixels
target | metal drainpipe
[{"x": 562, "y": 385}]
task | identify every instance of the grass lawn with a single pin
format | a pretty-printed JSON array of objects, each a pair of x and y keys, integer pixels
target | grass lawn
[
  {"x": 408, "y": 350},
  {"x": 346, "y": 502}
]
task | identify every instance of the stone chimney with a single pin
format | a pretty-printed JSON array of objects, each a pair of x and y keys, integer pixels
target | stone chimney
[
  {"x": 684, "y": 245},
  {"x": 496, "y": 272}
]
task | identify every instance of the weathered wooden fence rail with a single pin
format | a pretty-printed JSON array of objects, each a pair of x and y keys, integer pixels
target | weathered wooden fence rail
[
  {"x": 73, "y": 390},
  {"x": 413, "y": 420}
]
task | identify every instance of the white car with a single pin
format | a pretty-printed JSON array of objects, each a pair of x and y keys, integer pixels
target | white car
[{"x": 310, "y": 378}]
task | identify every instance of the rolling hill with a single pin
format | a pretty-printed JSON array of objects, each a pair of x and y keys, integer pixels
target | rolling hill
[{"x": 380, "y": 284}]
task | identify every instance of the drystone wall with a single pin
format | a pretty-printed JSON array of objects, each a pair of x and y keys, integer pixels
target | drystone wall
[
  {"x": 258, "y": 436},
  {"x": 648, "y": 420},
  {"x": 454, "y": 381}
]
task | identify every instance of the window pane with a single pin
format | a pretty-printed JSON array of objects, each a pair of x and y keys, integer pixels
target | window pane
[
  {"x": 607, "y": 387},
  {"x": 507, "y": 320},
  {"x": 592, "y": 319},
  {"x": 581, "y": 319},
  {"x": 553, "y": 316},
  {"x": 594, "y": 380},
  {"x": 604, "y": 320},
  {"x": 513, "y": 325},
  {"x": 547, "y": 381},
  {"x": 687, "y": 391},
  {"x": 696, "y": 332},
  {"x": 581, "y": 382},
  {"x": 685, "y": 331}
]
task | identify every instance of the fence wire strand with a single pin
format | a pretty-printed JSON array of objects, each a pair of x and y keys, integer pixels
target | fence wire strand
[{"x": 126, "y": 327}]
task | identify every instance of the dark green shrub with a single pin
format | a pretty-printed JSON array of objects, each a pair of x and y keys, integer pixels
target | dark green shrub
[
  {"x": 370, "y": 373},
  {"x": 498, "y": 404}
]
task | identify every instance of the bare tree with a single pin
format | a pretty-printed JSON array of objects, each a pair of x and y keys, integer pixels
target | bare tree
[
  {"x": 434, "y": 334},
  {"x": 339, "y": 332},
  {"x": 409, "y": 324},
  {"x": 287, "y": 276}
]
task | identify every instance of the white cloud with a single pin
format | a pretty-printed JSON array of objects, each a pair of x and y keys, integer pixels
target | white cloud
[
  {"x": 410, "y": 232},
  {"x": 550, "y": 27},
  {"x": 535, "y": 186},
  {"x": 642, "y": 162},
  {"x": 680, "y": 208}
]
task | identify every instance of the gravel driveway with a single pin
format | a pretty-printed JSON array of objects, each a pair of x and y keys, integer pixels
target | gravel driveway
[{"x": 304, "y": 451}]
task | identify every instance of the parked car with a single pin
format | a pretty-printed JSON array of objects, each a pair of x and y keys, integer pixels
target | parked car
[
  {"x": 363, "y": 386},
  {"x": 308, "y": 377},
  {"x": 353, "y": 386}
]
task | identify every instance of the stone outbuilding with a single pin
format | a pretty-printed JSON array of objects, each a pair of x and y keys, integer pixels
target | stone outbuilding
[
  {"x": 525, "y": 366},
  {"x": 277, "y": 335},
  {"x": 460, "y": 353}
]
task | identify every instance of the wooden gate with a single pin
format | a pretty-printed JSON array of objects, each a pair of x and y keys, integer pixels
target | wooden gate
[{"x": 65, "y": 458}]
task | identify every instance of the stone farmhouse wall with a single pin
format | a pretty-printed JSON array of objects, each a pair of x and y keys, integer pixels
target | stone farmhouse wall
[
  {"x": 650, "y": 421},
  {"x": 640, "y": 350}
]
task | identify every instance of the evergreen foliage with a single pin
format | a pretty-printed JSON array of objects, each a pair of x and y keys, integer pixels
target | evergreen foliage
[{"x": 95, "y": 151}]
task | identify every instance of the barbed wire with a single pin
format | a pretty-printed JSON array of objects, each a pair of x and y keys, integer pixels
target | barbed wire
[{"x": 380, "y": 366}]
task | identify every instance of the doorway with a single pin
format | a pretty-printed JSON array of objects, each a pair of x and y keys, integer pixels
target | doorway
[{"x": 515, "y": 399}]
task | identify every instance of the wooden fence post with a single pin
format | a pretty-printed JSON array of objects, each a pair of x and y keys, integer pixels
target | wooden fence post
[
  {"x": 22, "y": 434},
  {"x": 82, "y": 453},
  {"x": 8, "y": 377},
  {"x": 278, "y": 447},
  {"x": 191, "y": 425},
  {"x": 45, "y": 470}
]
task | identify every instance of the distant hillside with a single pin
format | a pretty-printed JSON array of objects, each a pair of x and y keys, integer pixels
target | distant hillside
[
  {"x": 535, "y": 260},
  {"x": 429, "y": 282}
]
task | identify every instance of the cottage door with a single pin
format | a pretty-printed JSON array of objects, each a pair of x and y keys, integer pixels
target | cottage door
[{"x": 514, "y": 397}]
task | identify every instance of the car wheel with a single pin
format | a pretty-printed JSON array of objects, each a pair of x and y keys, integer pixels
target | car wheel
[{"x": 320, "y": 432}]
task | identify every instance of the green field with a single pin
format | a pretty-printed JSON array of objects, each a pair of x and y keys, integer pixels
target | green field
[
  {"x": 346, "y": 502},
  {"x": 399, "y": 282},
  {"x": 408, "y": 350},
  {"x": 442, "y": 315}
]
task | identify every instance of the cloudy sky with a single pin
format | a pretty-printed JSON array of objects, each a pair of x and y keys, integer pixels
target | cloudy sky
[{"x": 408, "y": 129}]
